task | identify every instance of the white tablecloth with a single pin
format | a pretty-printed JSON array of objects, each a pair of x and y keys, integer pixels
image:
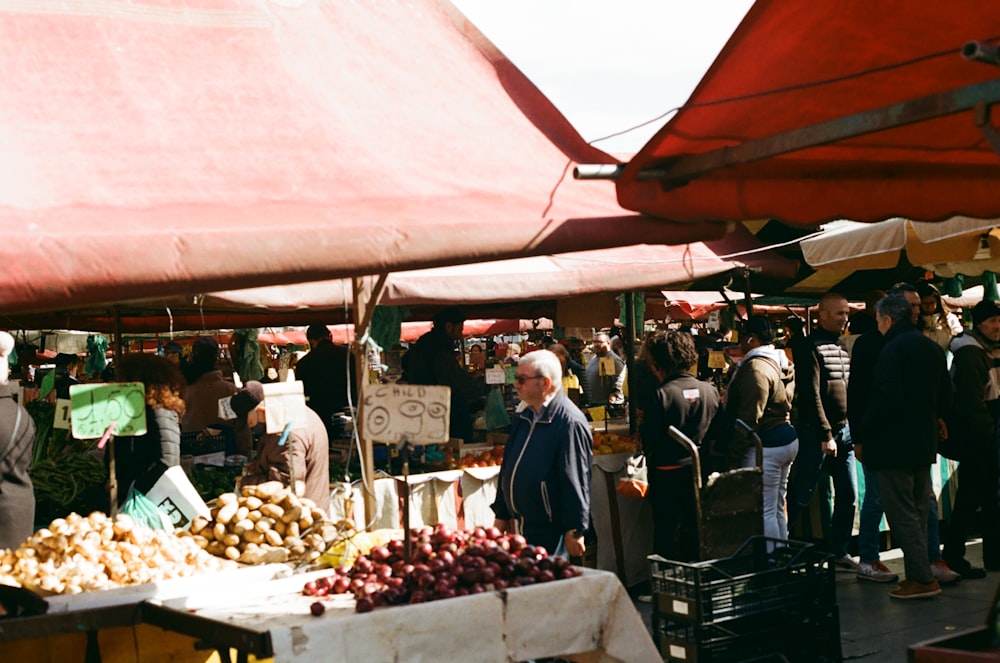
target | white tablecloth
[{"x": 590, "y": 618}]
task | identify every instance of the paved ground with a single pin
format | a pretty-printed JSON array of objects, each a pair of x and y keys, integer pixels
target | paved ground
[{"x": 877, "y": 629}]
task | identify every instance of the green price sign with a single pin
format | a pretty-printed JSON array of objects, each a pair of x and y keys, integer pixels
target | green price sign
[{"x": 94, "y": 407}]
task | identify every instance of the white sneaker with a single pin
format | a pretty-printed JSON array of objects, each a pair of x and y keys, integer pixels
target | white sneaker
[
  {"x": 876, "y": 572},
  {"x": 942, "y": 573},
  {"x": 847, "y": 564}
]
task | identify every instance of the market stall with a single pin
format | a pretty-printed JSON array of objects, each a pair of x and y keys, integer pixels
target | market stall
[{"x": 256, "y": 612}]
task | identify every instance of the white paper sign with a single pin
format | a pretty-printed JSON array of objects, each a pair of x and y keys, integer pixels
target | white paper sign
[
  {"x": 63, "y": 409},
  {"x": 392, "y": 413},
  {"x": 496, "y": 376},
  {"x": 284, "y": 402},
  {"x": 226, "y": 411}
]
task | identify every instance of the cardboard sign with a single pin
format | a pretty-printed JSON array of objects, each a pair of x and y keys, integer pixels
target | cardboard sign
[
  {"x": 496, "y": 376},
  {"x": 394, "y": 413},
  {"x": 716, "y": 359},
  {"x": 284, "y": 402},
  {"x": 607, "y": 366},
  {"x": 175, "y": 496},
  {"x": 63, "y": 408},
  {"x": 94, "y": 407}
]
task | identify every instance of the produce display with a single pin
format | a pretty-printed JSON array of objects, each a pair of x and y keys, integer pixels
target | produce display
[
  {"x": 65, "y": 478},
  {"x": 444, "y": 564},
  {"x": 485, "y": 458},
  {"x": 609, "y": 443},
  {"x": 266, "y": 523},
  {"x": 76, "y": 554}
]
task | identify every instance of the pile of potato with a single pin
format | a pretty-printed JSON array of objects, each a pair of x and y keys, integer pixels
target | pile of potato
[
  {"x": 76, "y": 554},
  {"x": 267, "y": 523}
]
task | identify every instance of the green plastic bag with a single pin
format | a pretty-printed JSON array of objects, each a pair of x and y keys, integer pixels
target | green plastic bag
[
  {"x": 495, "y": 413},
  {"x": 143, "y": 511}
]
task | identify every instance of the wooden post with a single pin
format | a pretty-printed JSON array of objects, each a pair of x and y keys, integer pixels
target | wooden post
[{"x": 366, "y": 296}]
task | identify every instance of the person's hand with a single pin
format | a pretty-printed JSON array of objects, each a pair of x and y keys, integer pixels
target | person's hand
[
  {"x": 502, "y": 525},
  {"x": 942, "y": 430},
  {"x": 573, "y": 540},
  {"x": 859, "y": 452},
  {"x": 829, "y": 447}
]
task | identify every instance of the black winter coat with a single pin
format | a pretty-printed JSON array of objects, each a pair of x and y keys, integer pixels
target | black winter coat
[{"x": 910, "y": 391}]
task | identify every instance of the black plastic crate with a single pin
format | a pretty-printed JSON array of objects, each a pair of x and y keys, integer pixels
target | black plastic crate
[
  {"x": 764, "y": 575},
  {"x": 199, "y": 444},
  {"x": 796, "y": 637}
]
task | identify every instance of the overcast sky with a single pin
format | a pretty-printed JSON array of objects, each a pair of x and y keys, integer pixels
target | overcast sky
[{"x": 610, "y": 65}]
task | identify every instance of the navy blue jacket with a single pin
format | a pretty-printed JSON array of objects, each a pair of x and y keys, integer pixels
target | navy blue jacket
[{"x": 545, "y": 476}]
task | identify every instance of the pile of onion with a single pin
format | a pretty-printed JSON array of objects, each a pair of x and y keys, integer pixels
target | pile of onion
[{"x": 445, "y": 563}]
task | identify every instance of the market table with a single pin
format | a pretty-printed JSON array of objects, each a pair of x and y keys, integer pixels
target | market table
[
  {"x": 589, "y": 618},
  {"x": 462, "y": 498}
]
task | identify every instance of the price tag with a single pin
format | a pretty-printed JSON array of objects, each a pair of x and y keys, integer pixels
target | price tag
[
  {"x": 94, "y": 407},
  {"x": 716, "y": 359},
  {"x": 496, "y": 376},
  {"x": 63, "y": 407}
]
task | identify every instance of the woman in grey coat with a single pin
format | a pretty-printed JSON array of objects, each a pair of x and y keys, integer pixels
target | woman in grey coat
[{"x": 17, "y": 437}]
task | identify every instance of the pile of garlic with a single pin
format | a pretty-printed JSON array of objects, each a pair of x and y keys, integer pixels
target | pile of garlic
[{"x": 77, "y": 554}]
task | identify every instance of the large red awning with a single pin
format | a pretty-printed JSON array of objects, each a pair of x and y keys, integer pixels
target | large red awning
[
  {"x": 161, "y": 148},
  {"x": 833, "y": 109}
]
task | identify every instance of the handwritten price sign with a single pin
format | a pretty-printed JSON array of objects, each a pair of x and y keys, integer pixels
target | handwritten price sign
[
  {"x": 95, "y": 406},
  {"x": 417, "y": 413}
]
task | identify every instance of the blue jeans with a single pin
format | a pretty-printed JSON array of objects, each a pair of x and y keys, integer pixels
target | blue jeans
[
  {"x": 871, "y": 518},
  {"x": 810, "y": 463}
]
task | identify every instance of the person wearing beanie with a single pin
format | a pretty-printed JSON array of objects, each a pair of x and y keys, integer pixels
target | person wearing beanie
[
  {"x": 976, "y": 377},
  {"x": 17, "y": 436},
  {"x": 304, "y": 454}
]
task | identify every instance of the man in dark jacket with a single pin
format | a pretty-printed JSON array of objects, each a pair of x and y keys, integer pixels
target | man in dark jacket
[
  {"x": 327, "y": 375},
  {"x": 432, "y": 360},
  {"x": 691, "y": 405},
  {"x": 544, "y": 483},
  {"x": 822, "y": 369},
  {"x": 975, "y": 372},
  {"x": 909, "y": 400}
]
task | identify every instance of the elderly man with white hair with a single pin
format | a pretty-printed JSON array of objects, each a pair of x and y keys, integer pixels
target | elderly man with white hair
[
  {"x": 544, "y": 486},
  {"x": 17, "y": 435}
]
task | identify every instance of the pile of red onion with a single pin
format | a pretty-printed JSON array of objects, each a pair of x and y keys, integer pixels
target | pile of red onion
[{"x": 445, "y": 563}]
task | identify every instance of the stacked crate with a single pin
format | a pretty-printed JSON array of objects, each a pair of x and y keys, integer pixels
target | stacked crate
[{"x": 770, "y": 597}]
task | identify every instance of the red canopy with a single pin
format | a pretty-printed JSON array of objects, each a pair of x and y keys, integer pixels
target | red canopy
[
  {"x": 832, "y": 109},
  {"x": 195, "y": 145}
]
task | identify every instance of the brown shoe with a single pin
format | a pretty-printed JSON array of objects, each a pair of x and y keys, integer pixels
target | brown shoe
[{"x": 910, "y": 589}]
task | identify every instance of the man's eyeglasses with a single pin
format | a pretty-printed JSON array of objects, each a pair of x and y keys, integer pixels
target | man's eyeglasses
[{"x": 521, "y": 379}]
